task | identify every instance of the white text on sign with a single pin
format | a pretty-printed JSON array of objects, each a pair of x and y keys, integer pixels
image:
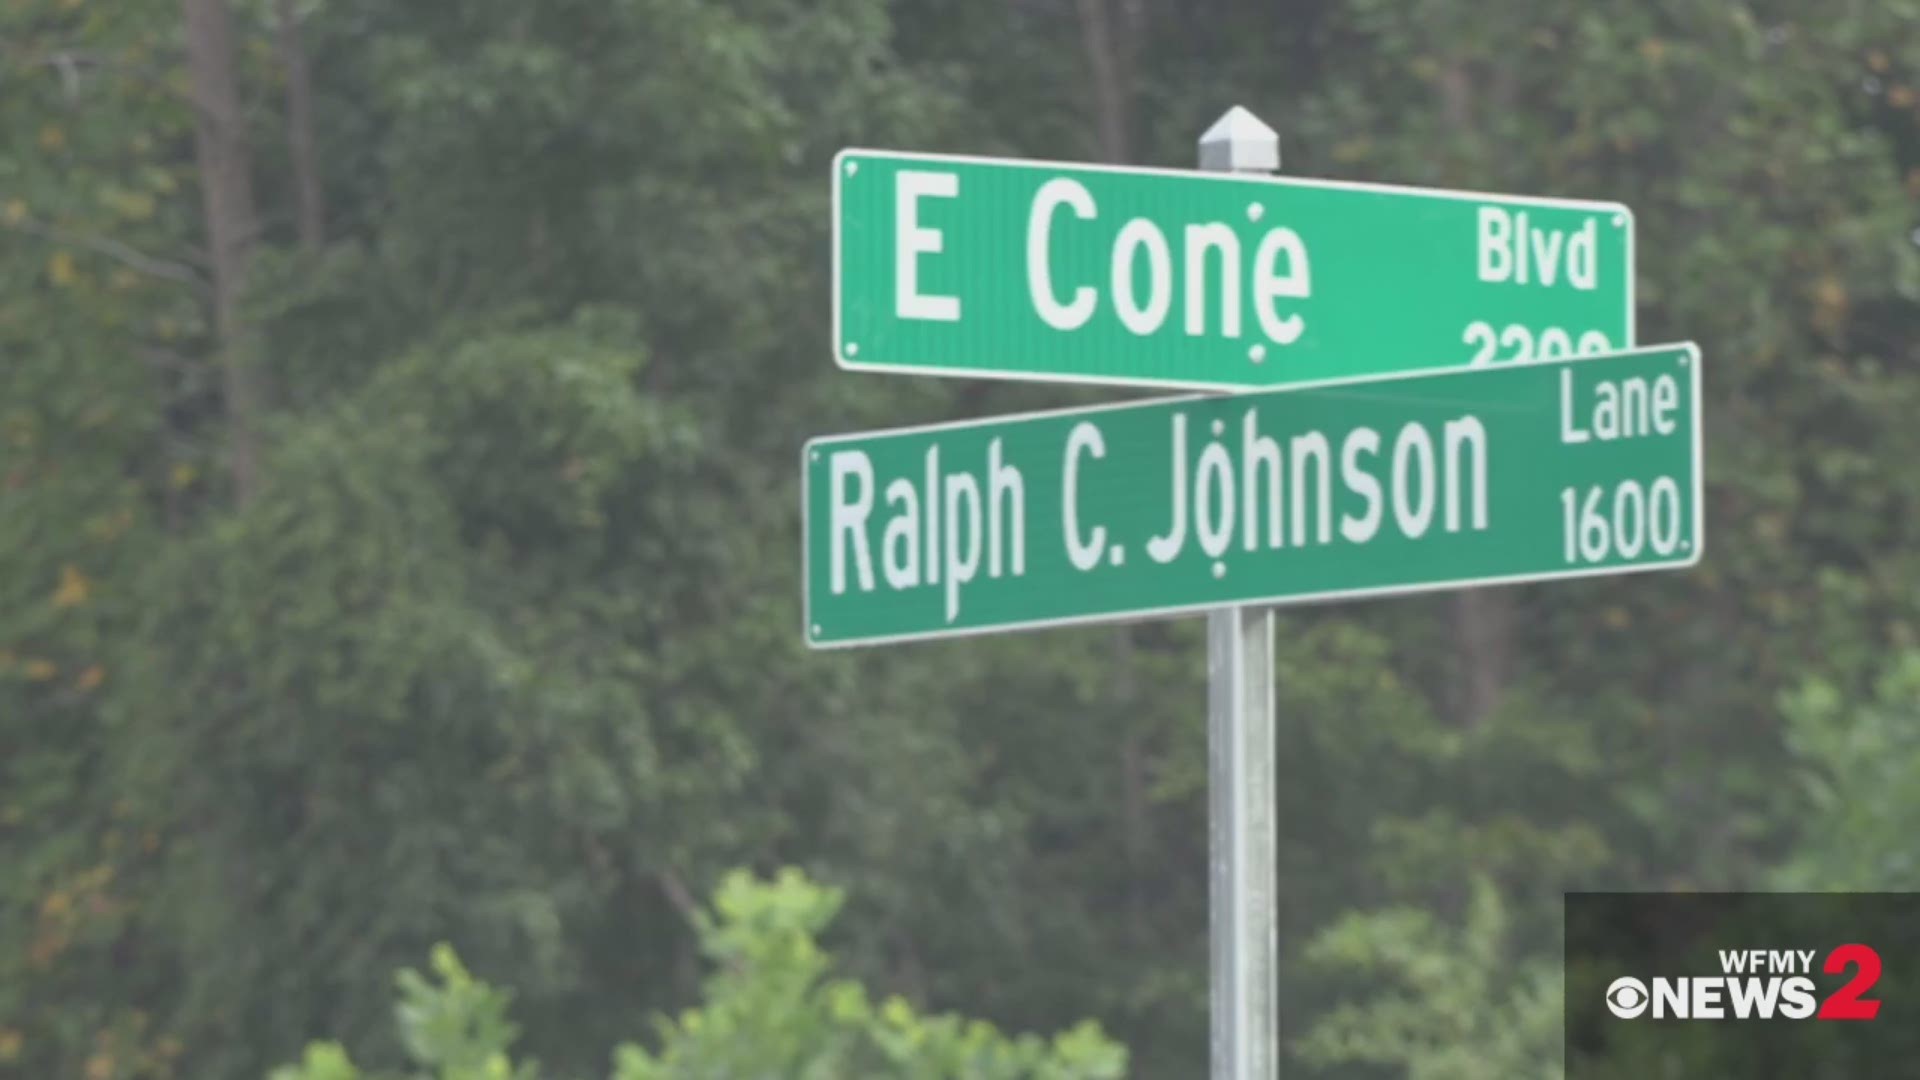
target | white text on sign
[
  {"x": 954, "y": 523},
  {"x": 1513, "y": 249},
  {"x": 1275, "y": 270}
]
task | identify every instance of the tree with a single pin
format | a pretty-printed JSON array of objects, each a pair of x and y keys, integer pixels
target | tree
[
  {"x": 232, "y": 222},
  {"x": 1455, "y": 1005},
  {"x": 1856, "y": 763},
  {"x": 99, "y": 448},
  {"x": 770, "y": 1010}
]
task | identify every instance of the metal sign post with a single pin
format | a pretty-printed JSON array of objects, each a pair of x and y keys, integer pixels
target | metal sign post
[
  {"x": 1240, "y": 767},
  {"x": 1243, "y": 926}
]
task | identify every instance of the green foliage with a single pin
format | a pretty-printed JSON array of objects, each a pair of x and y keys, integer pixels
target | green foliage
[
  {"x": 99, "y": 442},
  {"x": 770, "y": 1010},
  {"x": 1858, "y": 762},
  {"x": 452, "y": 1025},
  {"x": 1441, "y": 1004}
]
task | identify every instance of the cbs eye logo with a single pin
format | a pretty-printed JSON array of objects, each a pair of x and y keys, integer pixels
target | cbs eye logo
[{"x": 1627, "y": 997}]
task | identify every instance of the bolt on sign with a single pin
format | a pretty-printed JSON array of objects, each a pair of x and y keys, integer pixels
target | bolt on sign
[
  {"x": 1445, "y": 479},
  {"x": 1040, "y": 270}
]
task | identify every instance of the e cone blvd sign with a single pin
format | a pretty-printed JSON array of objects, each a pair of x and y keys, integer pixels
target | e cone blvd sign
[
  {"x": 1520, "y": 472},
  {"x": 1027, "y": 269}
]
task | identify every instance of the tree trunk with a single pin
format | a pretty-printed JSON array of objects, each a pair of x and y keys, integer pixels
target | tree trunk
[
  {"x": 1483, "y": 625},
  {"x": 226, "y": 187},
  {"x": 309, "y": 197},
  {"x": 1482, "y": 618},
  {"x": 1109, "y": 44}
]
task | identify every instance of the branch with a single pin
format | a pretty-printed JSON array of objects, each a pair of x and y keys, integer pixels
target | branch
[
  {"x": 308, "y": 190},
  {"x": 115, "y": 250},
  {"x": 71, "y": 65},
  {"x": 169, "y": 360},
  {"x": 679, "y": 896}
]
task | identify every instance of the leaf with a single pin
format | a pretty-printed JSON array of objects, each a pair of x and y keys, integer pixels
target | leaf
[
  {"x": 130, "y": 205},
  {"x": 74, "y": 589}
]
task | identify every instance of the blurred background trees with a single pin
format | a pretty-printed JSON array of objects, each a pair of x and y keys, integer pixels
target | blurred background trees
[{"x": 398, "y": 533}]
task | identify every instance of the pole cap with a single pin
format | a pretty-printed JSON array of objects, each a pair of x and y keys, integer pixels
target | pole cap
[{"x": 1240, "y": 142}]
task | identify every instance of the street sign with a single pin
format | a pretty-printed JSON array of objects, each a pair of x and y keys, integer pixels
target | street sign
[
  {"x": 1517, "y": 472},
  {"x": 1041, "y": 270}
]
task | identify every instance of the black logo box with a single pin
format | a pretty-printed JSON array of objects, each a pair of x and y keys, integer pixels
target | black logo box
[{"x": 1671, "y": 935}]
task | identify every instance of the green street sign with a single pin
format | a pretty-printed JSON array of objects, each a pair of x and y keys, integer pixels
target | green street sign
[
  {"x": 1076, "y": 273},
  {"x": 1520, "y": 472}
]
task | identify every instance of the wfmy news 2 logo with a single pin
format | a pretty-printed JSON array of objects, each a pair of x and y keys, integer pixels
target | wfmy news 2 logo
[
  {"x": 1758, "y": 984},
  {"x": 1752, "y": 986}
]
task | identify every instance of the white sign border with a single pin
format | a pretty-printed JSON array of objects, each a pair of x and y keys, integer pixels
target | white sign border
[
  {"x": 1697, "y": 548},
  {"x": 1459, "y": 195}
]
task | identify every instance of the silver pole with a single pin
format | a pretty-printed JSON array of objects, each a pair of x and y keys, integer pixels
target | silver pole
[{"x": 1243, "y": 924}]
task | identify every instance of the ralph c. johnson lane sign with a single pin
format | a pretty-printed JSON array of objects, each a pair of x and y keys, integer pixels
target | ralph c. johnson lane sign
[{"x": 1514, "y": 473}]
